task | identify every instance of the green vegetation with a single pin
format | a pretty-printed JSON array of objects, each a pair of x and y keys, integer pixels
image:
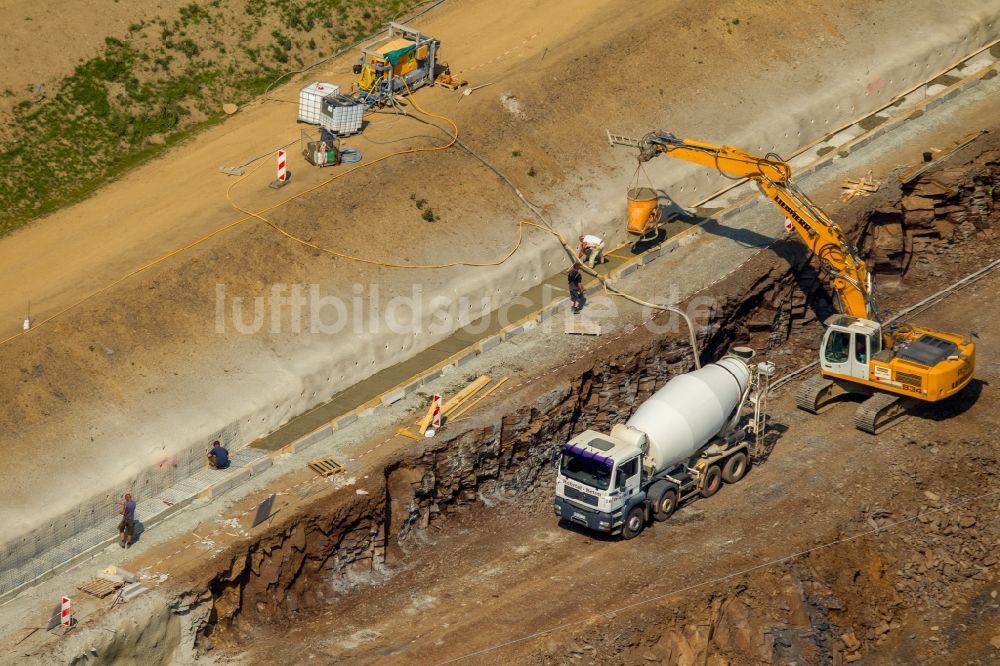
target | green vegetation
[
  {"x": 160, "y": 85},
  {"x": 531, "y": 172},
  {"x": 428, "y": 215}
]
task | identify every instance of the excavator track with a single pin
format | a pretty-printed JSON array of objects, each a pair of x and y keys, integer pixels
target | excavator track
[
  {"x": 817, "y": 393},
  {"x": 879, "y": 412}
]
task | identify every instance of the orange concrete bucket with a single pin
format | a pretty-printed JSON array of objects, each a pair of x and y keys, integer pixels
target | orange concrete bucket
[{"x": 641, "y": 204}]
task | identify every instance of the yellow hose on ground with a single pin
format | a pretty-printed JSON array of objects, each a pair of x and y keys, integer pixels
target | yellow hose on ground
[{"x": 343, "y": 255}]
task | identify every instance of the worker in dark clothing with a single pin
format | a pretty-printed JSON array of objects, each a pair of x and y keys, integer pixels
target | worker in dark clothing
[
  {"x": 576, "y": 295},
  {"x": 126, "y": 527},
  {"x": 218, "y": 456}
]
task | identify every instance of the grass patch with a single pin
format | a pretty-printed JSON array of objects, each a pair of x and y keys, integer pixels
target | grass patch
[{"x": 161, "y": 85}]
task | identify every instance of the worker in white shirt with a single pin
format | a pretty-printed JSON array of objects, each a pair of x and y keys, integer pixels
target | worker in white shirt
[{"x": 591, "y": 249}]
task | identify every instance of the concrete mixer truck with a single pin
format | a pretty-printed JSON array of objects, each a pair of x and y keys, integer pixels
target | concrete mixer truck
[{"x": 686, "y": 440}]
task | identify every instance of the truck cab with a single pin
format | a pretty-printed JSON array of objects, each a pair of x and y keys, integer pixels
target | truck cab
[{"x": 598, "y": 482}]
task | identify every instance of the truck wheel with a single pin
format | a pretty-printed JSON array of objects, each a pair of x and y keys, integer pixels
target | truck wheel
[
  {"x": 736, "y": 468},
  {"x": 712, "y": 482},
  {"x": 634, "y": 522},
  {"x": 664, "y": 505}
]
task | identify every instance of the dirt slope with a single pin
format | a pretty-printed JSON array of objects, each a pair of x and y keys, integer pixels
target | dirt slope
[{"x": 899, "y": 529}]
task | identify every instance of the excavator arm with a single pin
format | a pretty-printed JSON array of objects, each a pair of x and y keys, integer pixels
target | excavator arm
[{"x": 837, "y": 255}]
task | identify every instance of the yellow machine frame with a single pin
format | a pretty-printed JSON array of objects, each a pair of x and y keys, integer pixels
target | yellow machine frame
[{"x": 403, "y": 61}]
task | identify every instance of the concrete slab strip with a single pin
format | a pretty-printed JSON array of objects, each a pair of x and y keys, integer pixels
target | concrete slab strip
[
  {"x": 510, "y": 332},
  {"x": 343, "y": 421},
  {"x": 260, "y": 465},
  {"x": 303, "y": 443},
  {"x": 392, "y": 396},
  {"x": 227, "y": 484},
  {"x": 488, "y": 343},
  {"x": 431, "y": 376}
]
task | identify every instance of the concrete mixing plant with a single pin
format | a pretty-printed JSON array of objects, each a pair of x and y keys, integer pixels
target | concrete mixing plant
[{"x": 686, "y": 440}]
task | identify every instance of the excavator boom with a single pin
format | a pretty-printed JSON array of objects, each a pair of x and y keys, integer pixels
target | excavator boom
[
  {"x": 890, "y": 366},
  {"x": 826, "y": 240}
]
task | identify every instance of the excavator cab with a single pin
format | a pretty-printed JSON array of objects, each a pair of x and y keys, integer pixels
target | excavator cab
[{"x": 849, "y": 345}]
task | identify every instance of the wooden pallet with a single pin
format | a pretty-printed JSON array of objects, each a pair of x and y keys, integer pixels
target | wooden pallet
[
  {"x": 326, "y": 466},
  {"x": 100, "y": 588}
]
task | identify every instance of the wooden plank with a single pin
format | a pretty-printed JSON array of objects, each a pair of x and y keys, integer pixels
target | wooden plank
[
  {"x": 426, "y": 421},
  {"x": 412, "y": 435},
  {"x": 472, "y": 404},
  {"x": 464, "y": 395}
]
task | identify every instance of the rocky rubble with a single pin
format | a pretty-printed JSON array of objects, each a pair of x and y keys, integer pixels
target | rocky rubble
[{"x": 937, "y": 212}]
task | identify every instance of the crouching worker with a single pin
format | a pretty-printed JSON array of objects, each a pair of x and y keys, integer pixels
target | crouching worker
[
  {"x": 218, "y": 456},
  {"x": 592, "y": 250}
]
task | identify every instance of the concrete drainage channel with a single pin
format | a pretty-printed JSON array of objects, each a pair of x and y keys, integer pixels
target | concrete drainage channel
[{"x": 66, "y": 541}]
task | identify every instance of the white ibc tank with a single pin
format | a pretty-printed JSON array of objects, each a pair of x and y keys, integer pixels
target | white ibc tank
[
  {"x": 690, "y": 410},
  {"x": 311, "y": 100}
]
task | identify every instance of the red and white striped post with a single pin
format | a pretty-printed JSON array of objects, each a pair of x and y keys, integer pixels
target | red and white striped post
[
  {"x": 283, "y": 174},
  {"x": 67, "y": 613},
  {"x": 436, "y": 419},
  {"x": 282, "y": 166}
]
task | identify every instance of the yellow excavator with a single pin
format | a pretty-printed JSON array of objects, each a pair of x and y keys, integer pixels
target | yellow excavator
[{"x": 893, "y": 366}]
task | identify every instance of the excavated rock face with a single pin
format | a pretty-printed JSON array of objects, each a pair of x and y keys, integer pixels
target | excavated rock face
[
  {"x": 845, "y": 600},
  {"x": 937, "y": 212}
]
